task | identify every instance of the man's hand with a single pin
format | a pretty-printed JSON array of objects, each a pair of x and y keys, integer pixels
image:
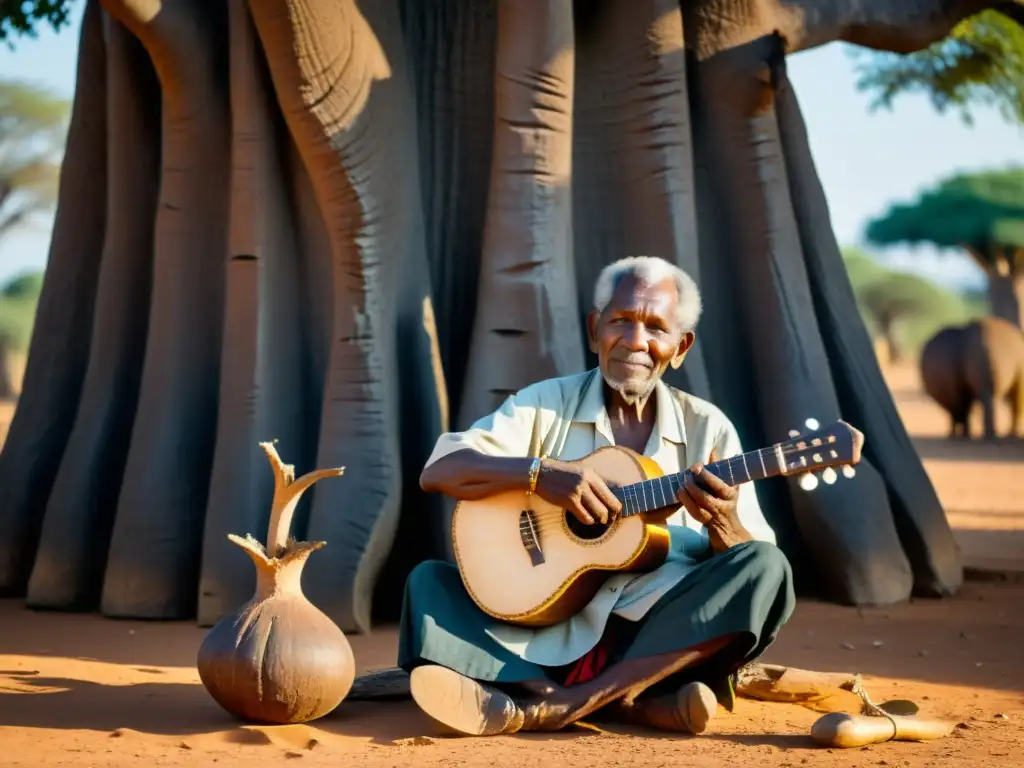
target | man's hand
[
  {"x": 715, "y": 507},
  {"x": 577, "y": 489}
]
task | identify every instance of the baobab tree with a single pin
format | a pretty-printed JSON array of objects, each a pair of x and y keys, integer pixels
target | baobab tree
[{"x": 351, "y": 225}]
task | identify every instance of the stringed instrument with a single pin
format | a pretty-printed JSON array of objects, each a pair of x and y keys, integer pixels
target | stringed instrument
[{"x": 525, "y": 561}]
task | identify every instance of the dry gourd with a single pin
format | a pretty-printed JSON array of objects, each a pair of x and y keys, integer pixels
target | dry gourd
[{"x": 278, "y": 658}]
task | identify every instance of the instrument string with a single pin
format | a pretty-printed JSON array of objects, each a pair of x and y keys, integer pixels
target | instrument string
[{"x": 544, "y": 518}]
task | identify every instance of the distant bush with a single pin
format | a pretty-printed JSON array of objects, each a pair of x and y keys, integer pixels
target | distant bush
[
  {"x": 27, "y": 285},
  {"x": 18, "y": 301}
]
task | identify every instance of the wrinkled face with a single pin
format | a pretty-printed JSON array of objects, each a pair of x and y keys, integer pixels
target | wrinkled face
[{"x": 637, "y": 337}]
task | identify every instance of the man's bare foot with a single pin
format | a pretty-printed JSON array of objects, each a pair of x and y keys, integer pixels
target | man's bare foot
[
  {"x": 687, "y": 711},
  {"x": 462, "y": 704}
]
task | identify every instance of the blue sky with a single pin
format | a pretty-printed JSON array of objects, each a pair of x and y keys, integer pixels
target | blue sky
[{"x": 865, "y": 159}]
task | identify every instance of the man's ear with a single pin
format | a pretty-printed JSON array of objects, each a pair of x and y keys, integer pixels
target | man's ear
[
  {"x": 684, "y": 346},
  {"x": 593, "y": 318}
]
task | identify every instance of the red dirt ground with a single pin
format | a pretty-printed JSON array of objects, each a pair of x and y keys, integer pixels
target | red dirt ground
[{"x": 79, "y": 690}]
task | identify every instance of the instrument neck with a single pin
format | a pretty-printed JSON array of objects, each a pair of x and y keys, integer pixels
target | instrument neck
[{"x": 660, "y": 492}]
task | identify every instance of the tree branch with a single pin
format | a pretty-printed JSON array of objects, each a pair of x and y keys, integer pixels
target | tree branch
[
  {"x": 1011, "y": 9},
  {"x": 287, "y": 491},
  {"x": 978, "y": 256},
  {"x": 899, "y": 27}
]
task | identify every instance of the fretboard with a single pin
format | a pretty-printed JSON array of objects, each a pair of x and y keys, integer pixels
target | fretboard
[{"x": 660, "y": 492}]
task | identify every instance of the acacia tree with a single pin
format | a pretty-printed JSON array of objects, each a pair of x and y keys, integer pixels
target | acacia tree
[
  {"x": 981, "y": 62},
  {"x": 892, "y": 299},
  {"x": 981, "y": 213},
  {"x": 32, "y": 126},
  {"x": 17, "y": 307},
  {"x": 374, "y": 220}
]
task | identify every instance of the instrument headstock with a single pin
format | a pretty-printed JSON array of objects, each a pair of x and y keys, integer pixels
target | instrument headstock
[{"x": 821, "y": 449}]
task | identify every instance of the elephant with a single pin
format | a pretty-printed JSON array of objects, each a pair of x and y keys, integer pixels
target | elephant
[{"x": 980, "y": 361}]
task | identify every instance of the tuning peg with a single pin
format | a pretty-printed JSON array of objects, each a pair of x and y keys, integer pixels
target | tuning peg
[
  {"x": 808, "y": 482},
  {"x": 848, "y": 471},
  {"x": 812, "y": 424},
  {"x": 829, "y": 475}
]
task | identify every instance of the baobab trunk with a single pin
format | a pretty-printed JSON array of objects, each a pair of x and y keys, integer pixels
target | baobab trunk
[
  {"x": 864, "y": 396},
  {"x": 343, "y": 92},
  {"x": 527, "y": 318},
  {"x": 159, "y": 519},
  {"x": 70, "y": 561},
  {"x": 766, "y": 321},
  {"x": 59, "y": 349},
  {"x": 261, "y": 395},
  {"x": 633, "y": 152},
  {"x": 420, "y": 196}
]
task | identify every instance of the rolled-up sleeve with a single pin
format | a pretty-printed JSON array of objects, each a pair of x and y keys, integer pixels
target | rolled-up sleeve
[
  {"x": 747, "y": 506},
  {"x": 505, "y": 432}
]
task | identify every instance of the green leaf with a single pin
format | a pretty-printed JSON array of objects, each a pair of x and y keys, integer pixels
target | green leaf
[{"x": 980, "y": 63}]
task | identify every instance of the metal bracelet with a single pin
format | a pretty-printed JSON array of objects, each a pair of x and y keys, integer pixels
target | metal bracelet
[{"x": 534, "y": 472}]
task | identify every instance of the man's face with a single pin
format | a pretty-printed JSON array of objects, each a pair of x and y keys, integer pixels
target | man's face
[{"x": 637, "y": 337}]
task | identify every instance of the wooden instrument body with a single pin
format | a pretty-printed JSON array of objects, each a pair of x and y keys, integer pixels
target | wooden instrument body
[{"x": 507, "y": 584}]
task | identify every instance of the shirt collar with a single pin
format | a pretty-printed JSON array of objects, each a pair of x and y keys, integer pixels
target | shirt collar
[{"x": 669, "y": 425}]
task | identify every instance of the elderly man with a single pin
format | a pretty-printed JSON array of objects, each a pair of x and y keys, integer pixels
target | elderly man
[{"x": 657, "y": 649}]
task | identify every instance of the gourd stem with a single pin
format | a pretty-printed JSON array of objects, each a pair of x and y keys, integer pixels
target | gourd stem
[{"x": 287, "y": 491}]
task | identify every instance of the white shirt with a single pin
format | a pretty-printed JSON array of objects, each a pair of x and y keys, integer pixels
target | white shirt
[{"x": 565, "y": 418}]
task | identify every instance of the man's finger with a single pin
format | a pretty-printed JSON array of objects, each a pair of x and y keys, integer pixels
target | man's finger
[
  {"x": 581, "y": 513},
  {"x": 692, "y": 508},
  {"x": 605, "y": 496},
  {"x": 597, "y": 510},
  {"x": 716, "y": 485},
  {"x": 700, "y": 496}
]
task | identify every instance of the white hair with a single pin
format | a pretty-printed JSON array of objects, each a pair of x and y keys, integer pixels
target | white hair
[{"x": 651, "y": 269}]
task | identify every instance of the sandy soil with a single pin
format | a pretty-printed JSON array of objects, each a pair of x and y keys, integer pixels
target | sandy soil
[{"x": 79, "y": 690}]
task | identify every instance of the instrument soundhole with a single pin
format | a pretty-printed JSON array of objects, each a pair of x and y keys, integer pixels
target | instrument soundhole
[{"x": 582, "y": 530}]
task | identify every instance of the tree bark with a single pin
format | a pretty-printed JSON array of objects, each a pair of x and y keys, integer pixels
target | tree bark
[
  {"x": 634, "y": 152},
  {"x": 764, "y": 313},
  {"x": 887, "y": 328},
  {"x": 71, "y": 557},
  {"x": 902, "y": 27},
  {"x": 455, "y": 127},
  {"x": 343, "y": 92},
  {"x": 1006, "y": 295},
  {"x": 387, "y": 146},
  {"x": 527, "y": 321},
  {"x": 262, "y": 347},
  {"x": 159, "y": 521},
  {"x": 864, "y": 396},
  {"x": 6, "y": 382},
  {"x": 59, "y": 349}
]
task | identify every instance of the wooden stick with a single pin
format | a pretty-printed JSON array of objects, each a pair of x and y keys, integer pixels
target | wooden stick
[
  {"x": 770, "y": 682},
  {"x": 287, "y": 491}
]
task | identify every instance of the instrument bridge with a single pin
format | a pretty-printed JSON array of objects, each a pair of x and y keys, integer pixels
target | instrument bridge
[{"x": 528, "y": 535}]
